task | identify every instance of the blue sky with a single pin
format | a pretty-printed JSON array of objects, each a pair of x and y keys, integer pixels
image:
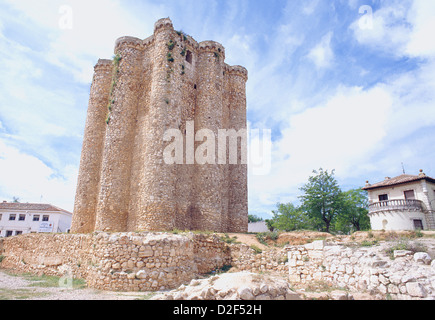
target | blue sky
[{"x": 339, "y": 88}]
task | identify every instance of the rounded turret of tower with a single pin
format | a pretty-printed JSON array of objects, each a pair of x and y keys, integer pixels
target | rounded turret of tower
[
  {"x": 238, "y": 71},
  {"x": 103, "y": 65},
  {"x": 213, "y": 46},
  {"x": 164, "y": 23},
  {"x": 130, "y": 42}
]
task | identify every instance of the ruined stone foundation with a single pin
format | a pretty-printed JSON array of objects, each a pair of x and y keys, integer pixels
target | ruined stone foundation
[{"x": 163, "y": 82}]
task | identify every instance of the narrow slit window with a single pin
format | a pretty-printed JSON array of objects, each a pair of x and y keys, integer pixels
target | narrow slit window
[{"x": 189, "y": 56}]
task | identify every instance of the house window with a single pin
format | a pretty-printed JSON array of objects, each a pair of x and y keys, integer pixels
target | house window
[
  {"x": 12, "y": 217},
  {"x": 36, "y": 217},
  {"x": 9, "y": 233},
  {"x": 17, "y": 233},
  {"x": 383, "y": 197},
  {"x": 45, "y": 218},
  {"x": 21, "y": 217},
  {"x": 409, "y": 195}
]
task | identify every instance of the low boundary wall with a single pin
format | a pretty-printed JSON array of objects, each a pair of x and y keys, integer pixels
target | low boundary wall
[{"x": 158, "y": 261}]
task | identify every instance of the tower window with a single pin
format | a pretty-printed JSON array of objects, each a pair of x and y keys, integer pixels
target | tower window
[{"x": 189, "y": 56}]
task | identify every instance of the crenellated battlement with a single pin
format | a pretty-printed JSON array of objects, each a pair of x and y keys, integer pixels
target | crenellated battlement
[
  {"x": 103, "y": 64},
  {"x": 189, "y": 41},
  {"x": 237, "y": 70},
  {"x": 129, "y": 42},
  {"x": 162, "y": 82},
  {"x": 212, "y": 46},
  {"x": 164, "y": 23}
]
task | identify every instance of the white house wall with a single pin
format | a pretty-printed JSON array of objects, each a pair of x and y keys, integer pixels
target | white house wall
[{"x": 396, "y": 220}]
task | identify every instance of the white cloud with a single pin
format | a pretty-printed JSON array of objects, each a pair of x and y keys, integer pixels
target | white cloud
[
  {"x": 400, "y": 28},
  {"x": 339, "y": 135},
  {"x": 28, "y": 178},
  {"x": 387, "y": 31},
  {"x": 310, "y": 6},
  {"x": 322, "y": 54},
  {"x": 95, "y": 27},
  {"x": 421, "y": 16}
]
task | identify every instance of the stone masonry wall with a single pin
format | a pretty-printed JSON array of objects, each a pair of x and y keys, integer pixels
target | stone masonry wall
[
  {"x": 116, "y": 261},
  {"x": 407, "y": 276},
  {"x": 148, "y": 261}
]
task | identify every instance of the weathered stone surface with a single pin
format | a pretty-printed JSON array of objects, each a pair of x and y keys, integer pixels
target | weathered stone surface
[
  {"x": 422, "y": 257},
  {"x": 125, "y": 183},
  {"x": 401, "y": 253},
  {"x": 112, "y": 262},
  {"x": 245, "y": 293},
  {"x": 415, "y": 289}
]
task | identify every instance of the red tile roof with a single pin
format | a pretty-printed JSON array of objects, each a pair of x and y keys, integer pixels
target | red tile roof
[
  {"x": 402, "y": 179},
  {"x": 30, "y": 206}
]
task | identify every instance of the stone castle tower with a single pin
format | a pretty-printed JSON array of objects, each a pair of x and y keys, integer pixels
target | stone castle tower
[{"x": 151, "y": 86}]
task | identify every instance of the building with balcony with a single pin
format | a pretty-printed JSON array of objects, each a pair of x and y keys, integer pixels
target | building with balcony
[
  {"x": 406, "y": 202},
  {"x": 20, "y": 218}
]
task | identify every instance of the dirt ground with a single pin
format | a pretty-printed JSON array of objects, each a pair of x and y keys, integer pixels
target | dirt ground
[
  {"x": 29, "y": 287},
  {"x": 303, "y": 237}
]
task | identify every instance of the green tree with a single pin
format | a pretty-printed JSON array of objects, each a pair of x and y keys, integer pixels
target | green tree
[
  {"x": 322, "y": 199},
  {"x": 288, "y": 217},
  {"x": 354, "y": 213},
  {"x": 269, "y": 224},
  {"x": 254, "y": 218}
]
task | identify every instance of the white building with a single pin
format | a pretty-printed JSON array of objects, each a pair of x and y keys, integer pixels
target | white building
[
  {"x": 259, "y": 226},
  {"x": 406, "y": 202},
  {"x": 20, "y": 218}
]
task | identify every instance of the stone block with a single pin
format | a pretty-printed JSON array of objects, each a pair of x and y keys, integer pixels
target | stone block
[
  {"x": 245, "y": 293},
  {"x": 401, "y": 253},
  {"x": 415, "y": 289},
  {"x": 318, "y": 244},
  {"x": 422, "y": 257}
]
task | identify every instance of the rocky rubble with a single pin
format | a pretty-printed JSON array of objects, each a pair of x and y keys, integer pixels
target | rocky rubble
[
  {"x": 406, "y": 275},
  {"x": 234, "y": 286}
]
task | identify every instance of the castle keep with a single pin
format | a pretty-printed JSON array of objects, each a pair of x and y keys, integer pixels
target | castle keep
[{"x": 152, "y": 85}]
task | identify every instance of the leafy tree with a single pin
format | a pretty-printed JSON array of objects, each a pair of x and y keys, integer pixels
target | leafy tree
[
  {"x": 269, "y": 224},
  {"x": 354, "y": 213},
  {"x": 288, "y": 217},
  {"x": 322, "y": 199},
  {"x": 15, "y": 200}
]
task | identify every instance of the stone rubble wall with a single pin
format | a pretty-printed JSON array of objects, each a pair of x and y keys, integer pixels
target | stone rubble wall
[
  {"x": 408, "y": 276},
  {"x": 147, "y": 261},
  {"x": 116, "y": 261}
]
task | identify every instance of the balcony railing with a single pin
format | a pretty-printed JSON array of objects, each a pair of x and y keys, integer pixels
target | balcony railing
[{"x": 397, "y": 204}]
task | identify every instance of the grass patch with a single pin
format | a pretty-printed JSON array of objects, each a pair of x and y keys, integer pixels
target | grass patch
[
  {"x": 369, "y": 243},
  {"x": 226, "y": 238},
  {"x": 262, "y": 237},
  {"x": 20, "y": 294},
  {"x": 146, "y": 296},
  {"x": 46, "y": 281},
  {"x": 256, "y": 249},
  {"x": 405, "y": 244}
]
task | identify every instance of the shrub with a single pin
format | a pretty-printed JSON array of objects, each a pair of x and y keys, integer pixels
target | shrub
[
  {"x": 405, "y": 244},
  {"x": 256, "y": 249}
]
